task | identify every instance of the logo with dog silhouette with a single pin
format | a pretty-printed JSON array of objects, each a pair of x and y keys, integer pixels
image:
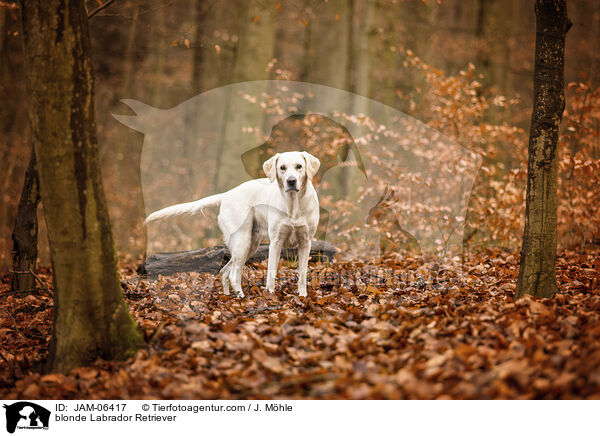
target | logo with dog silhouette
[
  {"x": 26, "y": 415},
  {"x": 387, "y": 182}
]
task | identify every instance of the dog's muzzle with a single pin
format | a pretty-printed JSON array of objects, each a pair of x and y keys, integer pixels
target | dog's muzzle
[{"x": 291, "y": 185}]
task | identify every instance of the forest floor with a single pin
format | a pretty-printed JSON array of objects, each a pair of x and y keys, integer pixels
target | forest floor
[{"x": 361, "y": 335}]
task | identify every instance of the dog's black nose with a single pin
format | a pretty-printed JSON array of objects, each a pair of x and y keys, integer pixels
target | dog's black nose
[{"x": 291, "y": 181}]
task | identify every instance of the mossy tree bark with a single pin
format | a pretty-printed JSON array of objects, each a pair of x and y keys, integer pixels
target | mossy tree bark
[
  {"x": 91, "y": 319},
  {"x": 25, "y": 232},
  {"x": 537, "y": 273}
]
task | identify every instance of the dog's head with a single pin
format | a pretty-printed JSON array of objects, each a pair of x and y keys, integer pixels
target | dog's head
[{"x": 292, "y": 170}]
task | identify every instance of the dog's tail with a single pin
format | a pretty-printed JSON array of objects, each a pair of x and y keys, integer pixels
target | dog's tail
[{"x": 190, "y": 208}]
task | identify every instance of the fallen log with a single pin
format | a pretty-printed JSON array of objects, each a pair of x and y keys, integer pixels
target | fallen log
[{"x": 211, "y": 259}]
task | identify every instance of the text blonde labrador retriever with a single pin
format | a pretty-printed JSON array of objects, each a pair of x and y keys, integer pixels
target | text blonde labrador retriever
[{"x": 284, "y": 207}]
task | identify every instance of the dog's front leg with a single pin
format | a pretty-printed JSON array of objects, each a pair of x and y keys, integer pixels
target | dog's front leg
[
  {"x": 274, "y": 254},
  {"x": 303, "y": 254}
]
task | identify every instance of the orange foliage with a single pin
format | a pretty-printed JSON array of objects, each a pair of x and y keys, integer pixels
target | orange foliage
[{"x": 457, "y": 106}]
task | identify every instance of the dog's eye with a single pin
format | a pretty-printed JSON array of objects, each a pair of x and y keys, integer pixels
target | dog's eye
[
  {"x": 282, "y": 167},
  {"x": 298, "y": 167}
]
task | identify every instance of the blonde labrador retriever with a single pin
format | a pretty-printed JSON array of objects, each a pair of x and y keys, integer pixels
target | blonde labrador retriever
[{"x": 284, "y": 207}]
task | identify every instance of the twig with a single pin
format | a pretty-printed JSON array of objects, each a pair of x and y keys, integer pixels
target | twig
[
  {"x": 286, "y": 384},
  {"x": 43, "y": 285},
  {"x": 494, "y": 283},
  {"x": 41, "y": 282},
  {"x": 15, "y": 322},
  {"x": 12, "y": 271},
  {"x": 26, "y": 291},
  {"x": 165, "y": 311},
  {"x": 157, "y": 332},
  {"x": 99, "y": 8},
  {"x": 4, "y": 358}
]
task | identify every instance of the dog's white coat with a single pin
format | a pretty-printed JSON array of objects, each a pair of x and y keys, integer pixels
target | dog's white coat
[{"x": 275, "y": 207}]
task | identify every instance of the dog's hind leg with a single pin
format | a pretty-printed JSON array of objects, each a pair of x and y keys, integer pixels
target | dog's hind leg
[
  {"x": 239, "y": 253},
  {"x": 240, "y": 243},
  {"x": 237, "y": 228},
  {"x": 256, "y": 240},
  {"x": 256, "y": 237},
  {"x": 224, "y": 273}
]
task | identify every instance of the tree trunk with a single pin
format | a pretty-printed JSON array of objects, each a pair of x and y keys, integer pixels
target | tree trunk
[
  {"x": 254, "y": 52},
  {"x": 130, "y": 50},
  {"x": 161, "y": 55},
  {"x": 537, "y": 273},
  {"x": 202, "y": 13},
  {"x": 364, "y": 30},
  {"x": 329, "y": 45},
  {"x": 91, "y": 319},
  {"x": 25, "y": 232},
  {"x": 212, "y": 66},
  {"x": 3, "y": 31},
  {"x": 329, "y": 63}
]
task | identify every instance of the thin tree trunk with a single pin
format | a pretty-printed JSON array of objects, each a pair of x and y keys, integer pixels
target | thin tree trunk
[
  {"x": 91, "y": 319},
  {"x": 161, "y": 54},
  {"x": 329, "y": 62},
  {"x": 25, "y": 232},
  {"x": 363, "y": 46},
  {"x": 130, "y": 50},
  {"x": 212, "y": 66},
  {"x": 537, "y": 273},
  {"x": 2, "y": 28},
  {"x": 254, "y": 52},
  {"x": 200, "y": 18},
  {"x": 329, "y": 45}
]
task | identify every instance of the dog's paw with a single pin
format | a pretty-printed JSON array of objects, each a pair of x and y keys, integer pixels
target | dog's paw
[
  {"x": 302, "y": 293},
  {"x": 239, "y": 294}
]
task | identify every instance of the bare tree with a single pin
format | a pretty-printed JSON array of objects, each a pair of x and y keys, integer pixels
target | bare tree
[
  {"x": 91, "y": 319},
  {"x": 537, "y": 273}
]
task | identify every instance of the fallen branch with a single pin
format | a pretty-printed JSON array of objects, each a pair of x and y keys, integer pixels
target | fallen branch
[
  {"x": 18, "y": 330},
  {"x": 4, "y": 358},
  {"x": 43, "y": 285},
  {"x": 211, "y": 259},
  {"x": 99, "y": 8}
]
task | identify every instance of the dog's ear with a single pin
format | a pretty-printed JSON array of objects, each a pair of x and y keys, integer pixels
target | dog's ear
[
  {"x": 312, "y": 164},
  {"x": 270, "y": 167}
]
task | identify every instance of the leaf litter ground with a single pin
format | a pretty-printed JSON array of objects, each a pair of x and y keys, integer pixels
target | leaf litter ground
[{"x": 437, "y": 335}]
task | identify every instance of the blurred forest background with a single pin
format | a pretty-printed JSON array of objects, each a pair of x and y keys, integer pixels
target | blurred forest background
[{"x": 463, "y": 67}]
